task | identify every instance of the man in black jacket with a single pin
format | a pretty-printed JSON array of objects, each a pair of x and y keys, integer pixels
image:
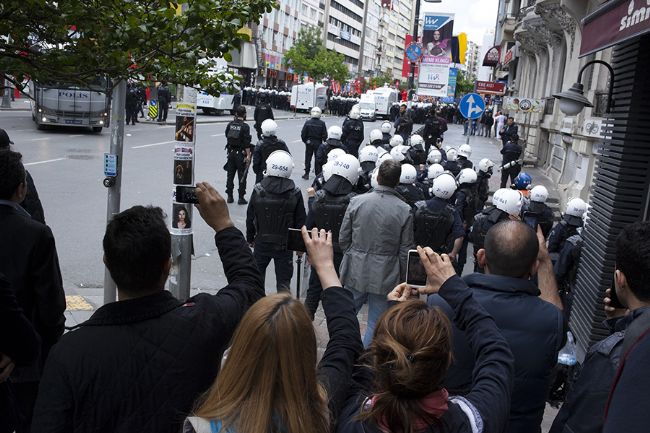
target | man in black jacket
[
  {"x": 510, "y": 165},
  {"x": 139, "y": 363},
  {"x": 238, "y": 136},
  {"x": 313, "y": 133},
  {"x": 262, "y": 112},
  {"x": 529, "y": 316},
  {"x": 164, "y": 99},
  {"x": 29, "y": 261},
  {"x": 509, "y": 130},
  {"x": 269, "y": 144}
]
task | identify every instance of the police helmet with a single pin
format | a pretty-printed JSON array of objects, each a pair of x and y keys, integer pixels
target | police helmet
[
  {"x": 327, "y": 170},
  {"x": 508, "y": 200},
  {"x": 334, "y": 132},
  {"x": 435, "y": 170},
  {"x": 376, "y": 135},
  {"x": 368, "y": 154},
  {"x": 416, "y": 139},
  {"x": 386, "y": 127},
  {"x": 396, "y": 153},
  {"x": 269, "y": 128},
  {"x": 485, "y": 165},
  {"x": 523, "y": 180},
  {"x": 576, "y": 207},
  {"x": 315, "y": 112},
  {"x": 384, "y": 157},
  {"x": 279, "y": 164},
  {"x": 434, "y": 156},
  {"x": 539, "y": 194},
  {"x": 346, "y": 166},
  {"x": 467, "y": 175},
  {"x": 452, "y": 154},
  {"x": 396, "y": 140},
  {"x": 335, "y": 154},
  {"x": 409, "y": 174},
  {"x": 444, "y": 186},
  {"x": 355, "y": 112},
  {"x": 465, "y": 150}
]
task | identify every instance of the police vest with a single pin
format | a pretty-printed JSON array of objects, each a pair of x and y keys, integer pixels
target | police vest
[
  {"x": 483, "y": 222},
  {"x": 329, "y": 211},
  {"x": 235, "y": 132},
  {"x": 274, "y": 214},
  {"x": 470, "y": 206},
  {"x": 433, "y": 229},
  {"x": 269, "y": 146},
  {"x": 315, "y": 130},
  {"x": 410, "y": 195}
]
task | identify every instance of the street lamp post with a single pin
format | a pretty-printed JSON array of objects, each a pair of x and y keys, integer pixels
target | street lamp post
[
  {"x": 415, "y": 40},
  {"x": 573, "y": 101}
]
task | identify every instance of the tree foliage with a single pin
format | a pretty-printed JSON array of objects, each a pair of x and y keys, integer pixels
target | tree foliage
[
  {"x": 464, "y": 84},
  {"x": 309, "y": 56},
  {"x": 379, "y": 81},
  {"x": 74, "y": 41}
]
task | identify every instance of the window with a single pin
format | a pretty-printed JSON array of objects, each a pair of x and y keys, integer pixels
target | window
[
  {"x": 339, "y": 7},
  {"x": 337, "y": 40}
]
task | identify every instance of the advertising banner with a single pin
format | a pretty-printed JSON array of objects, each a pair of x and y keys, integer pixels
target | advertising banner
[
  {"x": 524, "y": 105},
  {"x": 436, "y": 42},
  {"x": 490, "y": 88},
  {"x": 453, "y": 78}
]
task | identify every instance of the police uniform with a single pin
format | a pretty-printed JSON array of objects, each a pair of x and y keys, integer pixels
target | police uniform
[
  {"x": 451, "y": 166},
  {"x": 483, "y": 188},
  {"x": 417, "y": 155},
  {"x": 511, "y": 153},
  {"x": 410, "y": 193},
  {"x": 264, "y": 148},
  {"x": 323, "y": 150},
  {"x": 437, "y": 225},
  {"x": 465, "y": 204},
  {"x": 326, "y": 212},
  {"x": 275, "y": 206},
  {"x": 563, "y": 230},
  {"x": 385, "y": 140},
  {"x": 314, "y": 132},
  {"x": 262, "y": 112},
  {"x": 464, "y": 163},
  {"x": 542, "y": 214},
  {"x": 238, "y": 136},
  {"x": 483, "y": 221},
  {"x": 352, "y": 135}
]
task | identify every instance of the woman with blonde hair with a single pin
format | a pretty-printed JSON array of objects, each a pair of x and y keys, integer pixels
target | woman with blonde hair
[
  {"x": 270, "y": 381},
  {"x": 401, "y": 391}
]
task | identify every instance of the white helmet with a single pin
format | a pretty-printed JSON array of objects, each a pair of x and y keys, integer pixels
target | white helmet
[
  {"x": 465, "y": 150},
  {"x": 416, "y": 139},
  {"x": 576, "y": 207},
  {"x": 315, "y": 112},
  {"x": 397, "y": 140},
  {"x": 384, "y": 157},
  {"x": 335, "y": 154},
  {"x": 396, "y": 153},
  {"x": 373, "y": 178},
  {"x": 327, "y": 170},
  {"x": 434, "y": 156},
  {"x": 444, "y": 186},
  {"x": 346, "y": 166},
  {"x": 355, "y": 112},
  {"x": 381, "y": 151},
  {"x": 269, "y": 128},
  {"x": 467, "y": 175},
  {"x": 435, "y": 170},
  {"x": 508, "y": 200},
  {"x": 368, "y": 154},
  {"x": 452, "y": 154},
  {"x": 409, "y": 174},
  {"x": 375, "y": 135},
  {"x": 334, "y": 132},
  {"x": 279, "y": 164},
  {"x": 539, "y": 193},
  {"x": 386, "y": 127},
  {"x": 485, "y": 164}
]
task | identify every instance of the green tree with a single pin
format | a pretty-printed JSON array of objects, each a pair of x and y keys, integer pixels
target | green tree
[
  {"x": 74, "y": 41},
  {"x": 464, "y": 84},
  {"x": 309, "y": 56},
  {"x": 379, "y": 81}
]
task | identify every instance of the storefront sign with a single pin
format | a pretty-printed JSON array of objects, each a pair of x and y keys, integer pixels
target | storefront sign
[
  {"x": 615, "y": 22},
  {"x": 510, "y": 55},
  {"x": 523, "y": 105},
  {"x": 490, "y": 87},
  {"x": 492, "y": 57}
]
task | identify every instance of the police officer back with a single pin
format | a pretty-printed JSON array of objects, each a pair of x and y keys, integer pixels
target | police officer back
[
  {"x": 510, "y": 166},
  {"x": 327, "y": 211},
  {"x": 333, "y": 141},
  {"x": 238, "y": 136},
  {"x": 262, "y": 112},
  {"x": 314, "y": 132},
  {"x": 407, "y": 188},
  {"x": 535, "y": 211},
  {"x": 352, "y": 129},
  {"x": 465, "y": 203},
  {"x": 484, "y": 174},
  {"x": 568, "y": 226},
  {"x": 275, "y": 206},
  {"x": 269, "y": 144}
]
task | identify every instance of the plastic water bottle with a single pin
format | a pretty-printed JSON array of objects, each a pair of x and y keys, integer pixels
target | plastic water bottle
[{"x": 567, "y": 355}]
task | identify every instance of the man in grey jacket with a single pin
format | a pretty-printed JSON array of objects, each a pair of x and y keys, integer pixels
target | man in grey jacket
[{"x": 376, "y": 235}]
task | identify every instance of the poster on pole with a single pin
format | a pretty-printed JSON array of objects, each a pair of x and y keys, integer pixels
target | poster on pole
[{"x": 436, "y": 59}]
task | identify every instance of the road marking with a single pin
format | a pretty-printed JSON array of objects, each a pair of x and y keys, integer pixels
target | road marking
[
  {"x": 77, "y": 303},
  {"x": 152, "y": 144},
  {"x": 75, "y": 135},
  {"x": 296, "y": 141},
  {"x": 217, "y": 135},
  {"x": 39, "y": 139},
  {"x": 45, "y": 162}
]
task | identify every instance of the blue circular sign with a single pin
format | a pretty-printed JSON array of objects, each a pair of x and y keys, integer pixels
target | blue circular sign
[
  {"x": 472, "y": 106},
  {"x": 414, "y": 52}
]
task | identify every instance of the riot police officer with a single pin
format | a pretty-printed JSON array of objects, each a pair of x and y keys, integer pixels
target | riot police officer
[
  {"x": 535, "y": 211},
  {"x": 436, "y": 223},
  {"x": 522, "y": 183},
  {"x": 451, "y": 164},
  {"x": 394, "y": 142},
  {"x": 314, "y": 132},
  {"x": 386, "y": 129},
  {"x": 376, "y": 138},
  {"x": 368, "y": 156},
  {"x": 327, "y": 211},
  {"x": 433, "y": 171},
  {"x": 464, "y": 152},
  {"x": 262, "y": 112},
  {"x": 416, "y": 152},
  {"x": 465, "y": 204},
  {"x": 483, "y": 181},
  {"x": 506, "y": 204},
  {"x": 238, "y": 137},
  {"x": 407, "y": 187},
  {"x": 568, "y": 226},
  {"x": 352, "y": 135},
  {"x": 275, "y": 206},
  {"x": 510, "y": 165},
  {"x": 269, "y": 144},
  {"x": 333, "y": 142}
]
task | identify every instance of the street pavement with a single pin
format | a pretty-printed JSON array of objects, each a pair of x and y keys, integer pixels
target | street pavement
[{"x": 67, "y": 167}]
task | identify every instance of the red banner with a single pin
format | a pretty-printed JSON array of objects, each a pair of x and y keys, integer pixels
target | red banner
[
  {"x": 490, "y": 87},
  {"x": 406, "y": 63}
]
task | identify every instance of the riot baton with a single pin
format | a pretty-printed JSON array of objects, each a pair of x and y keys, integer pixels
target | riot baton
[{"x": 299, "y": 266}]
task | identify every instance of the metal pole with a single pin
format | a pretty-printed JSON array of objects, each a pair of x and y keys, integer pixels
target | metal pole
[
  {"x": 179, "y": 285},
  {"x": 118, "y": 102},
  {"x": 6, "y": 95},
  {"x": 415, "y": 40}
]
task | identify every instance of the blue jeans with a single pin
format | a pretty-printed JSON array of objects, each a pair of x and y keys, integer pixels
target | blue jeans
[{"x": 377, "y": 304}]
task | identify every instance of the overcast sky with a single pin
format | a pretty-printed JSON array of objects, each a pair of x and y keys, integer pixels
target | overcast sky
[{"x": 473, "y": 17}]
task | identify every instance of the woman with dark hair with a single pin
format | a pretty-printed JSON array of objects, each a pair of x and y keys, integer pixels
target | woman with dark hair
[
  {"x": 270, "y": 381},
  {"x": 181, "y": 219},
  {"x": 400, "y": 389}
]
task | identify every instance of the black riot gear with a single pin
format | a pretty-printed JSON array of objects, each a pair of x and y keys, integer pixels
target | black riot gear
[
  {"x": 329, "y": 211},
  {"x": 433, "y": 229},
  {"x": 273, "y": 214}
]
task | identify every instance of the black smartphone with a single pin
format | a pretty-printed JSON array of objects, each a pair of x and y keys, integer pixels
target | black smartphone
[
  {"x": 614, "y": 301},
  {"x": 186, "y": 194},
  {"x": 531, "y": 220},
  {"x": 416, "y": 276},
  {"x": 295, "y": 241}
]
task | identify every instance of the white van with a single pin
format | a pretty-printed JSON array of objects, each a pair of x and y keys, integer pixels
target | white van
[
  {"x": 384, "y": 99},
  {"x": 367, "y": 106},
  {"x": 306, "y": 96}
]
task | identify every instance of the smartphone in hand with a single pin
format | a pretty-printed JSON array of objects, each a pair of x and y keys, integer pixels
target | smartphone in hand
[
  {"x": 186, "y": 194},
  {"x": 295, "y": 241},
  {"x": 416, "y": 276}
]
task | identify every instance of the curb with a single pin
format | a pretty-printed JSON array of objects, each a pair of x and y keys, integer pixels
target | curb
[{"x": 15, "y": 109}]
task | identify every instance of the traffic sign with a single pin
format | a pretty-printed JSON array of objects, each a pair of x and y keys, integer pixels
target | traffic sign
[
  {"x": 110, "y": 165},
  {"x": 153, "y": 109},
  {"x": 471, "y": 106},
  {"x": 414, "y": 52}
]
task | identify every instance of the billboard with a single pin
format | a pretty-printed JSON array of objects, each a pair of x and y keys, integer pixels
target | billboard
[
  {"x": 436, "y": 43},
  {"x": 453, "y": 78}
]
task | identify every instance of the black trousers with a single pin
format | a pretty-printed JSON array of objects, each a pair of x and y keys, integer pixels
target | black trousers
[
  {"x": 163, "y": 108},
  {"x": 282, "y": 260},
  {"x": 315, "y": 289},
  {"x": 310, "y": 151},
  {"x": 236, "y": 163},
  {"x": 131, "y": 115},
  {"x": 510, "y": 172}
]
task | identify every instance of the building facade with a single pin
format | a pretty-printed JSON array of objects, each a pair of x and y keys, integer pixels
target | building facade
[
  {"x": 343, "y": 26},
  {"x": 473, "y": 59}
]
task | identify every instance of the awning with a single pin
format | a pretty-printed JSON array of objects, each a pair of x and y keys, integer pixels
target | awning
[
  {"x": 614, "y": 22},
  {"x": 492, "y": 56}
]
